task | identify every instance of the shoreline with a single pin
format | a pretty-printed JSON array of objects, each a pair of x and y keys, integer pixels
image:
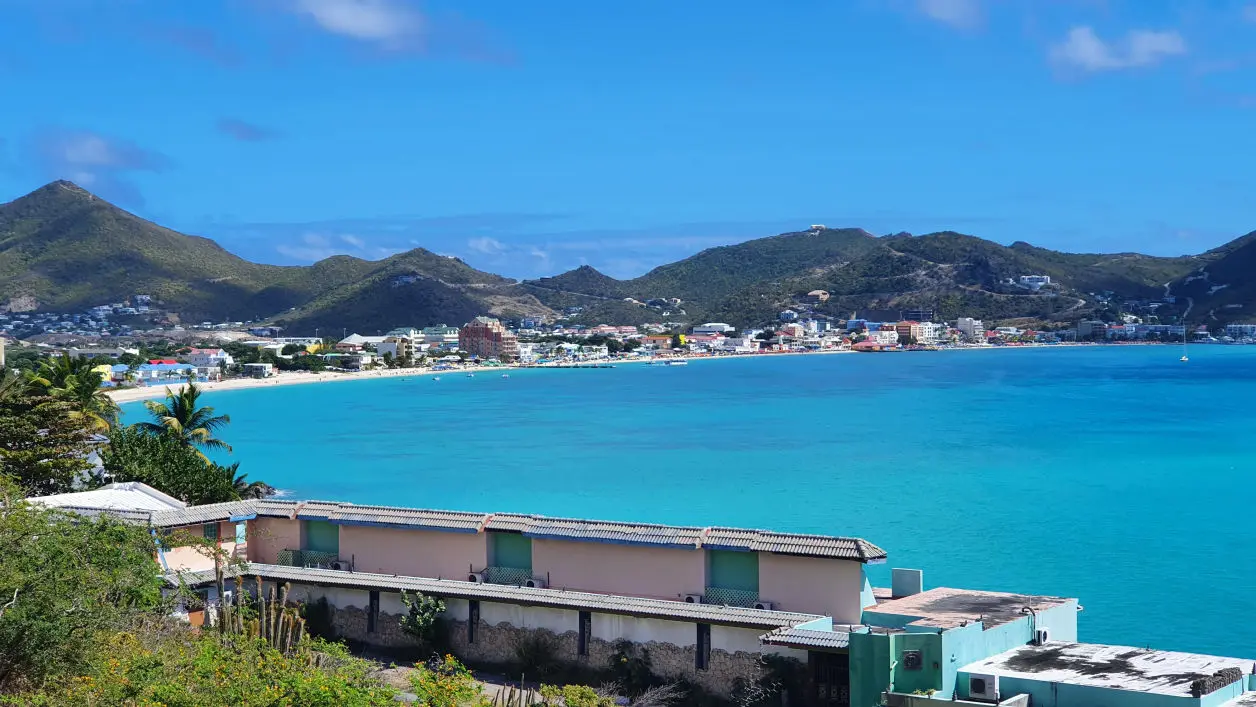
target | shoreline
[{"x": 154, "y": 392}]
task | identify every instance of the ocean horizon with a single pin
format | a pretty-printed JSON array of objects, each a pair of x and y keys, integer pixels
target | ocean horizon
[{"x": 1110, "y": 474}]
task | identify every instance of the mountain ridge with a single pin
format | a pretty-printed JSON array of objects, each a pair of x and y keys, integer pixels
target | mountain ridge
[{"x": 63, "y": 248}]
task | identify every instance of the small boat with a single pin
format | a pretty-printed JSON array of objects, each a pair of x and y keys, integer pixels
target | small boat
[
  {"x": 435, "y": 378},
  {"x": 470, "y": 375},
  {"x": 1184, "y": 359},
  {"x": 505, "y": 375}
]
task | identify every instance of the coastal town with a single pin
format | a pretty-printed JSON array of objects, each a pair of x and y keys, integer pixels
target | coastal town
[{"x": 209, "y": 353}]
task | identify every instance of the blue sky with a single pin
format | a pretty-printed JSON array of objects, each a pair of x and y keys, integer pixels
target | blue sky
[{"x": 530, "y": 138}]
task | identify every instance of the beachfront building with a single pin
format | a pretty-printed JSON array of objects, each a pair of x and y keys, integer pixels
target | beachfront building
[
  {"x": 90, "y": 353},
  {"x": 397, "y": 347},
  {"x": 208, "y": 358},
  {"x": 258, "y": 370},
  {"x": 487, "y": 338},
  {"x": 441, "y": 337},
  {"x": 713, "y": 606},
  {"x": 972, "y": 329},
  {"x": 713, "y": 328},
  {"x": 1091, "y": 329}
]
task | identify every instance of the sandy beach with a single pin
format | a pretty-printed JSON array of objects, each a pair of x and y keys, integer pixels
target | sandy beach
[{"x": 130, "y": 395}]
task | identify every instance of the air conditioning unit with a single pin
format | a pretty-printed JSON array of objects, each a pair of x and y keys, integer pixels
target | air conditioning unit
[
  {"x": 1041, "y": 636},
  {"x": 693, "y": 598},
  {"x": 983, "y": 687},
  {"x": 765, "y": 605},
  {"x": 476, "y": 578},
  {"x": 341, "y": 565},
  {"x": 534, "y": 583}
]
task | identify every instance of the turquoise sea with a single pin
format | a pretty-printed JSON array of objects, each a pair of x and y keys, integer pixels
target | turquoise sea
[{"x": 1118, "y": 475}]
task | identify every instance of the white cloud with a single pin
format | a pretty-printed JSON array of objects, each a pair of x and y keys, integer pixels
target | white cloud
[
  {"x": 353, "y": 241},
  {"x": 391, "y": 24},
  {"x": 94, "y": 160},
  {"x": 486, "y": 245},
  {"x": 1085, "y": 50},
  {"x": 963, "y": 14}
]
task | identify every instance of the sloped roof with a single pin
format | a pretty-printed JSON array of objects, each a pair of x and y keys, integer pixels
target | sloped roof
[
  {"x": 534, "y": 526},
  {"x": 806, "y": 638},
  {"x": 123, "y": 496}
]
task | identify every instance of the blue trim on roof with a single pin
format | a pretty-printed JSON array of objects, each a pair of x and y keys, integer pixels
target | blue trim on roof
[
  {"x": 246, "y": 516},
  {"x": 405, "y": 526},
  {"x": 610, "y": 541},
  {"x": 726, "y": 548}
]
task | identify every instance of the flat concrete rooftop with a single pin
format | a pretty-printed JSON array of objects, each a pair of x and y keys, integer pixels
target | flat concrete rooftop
[
  {"x": 1112, "y": 667},
  {"x": 944, "y": 607}
]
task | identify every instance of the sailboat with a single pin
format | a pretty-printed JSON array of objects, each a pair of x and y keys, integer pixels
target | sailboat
[{"x": 1184, "y": 358}]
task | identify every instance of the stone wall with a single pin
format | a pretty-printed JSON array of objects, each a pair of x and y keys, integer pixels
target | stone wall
[{"x": 496, "y": 645}]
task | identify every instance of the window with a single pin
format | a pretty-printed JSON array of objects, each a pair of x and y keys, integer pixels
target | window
[
  {"x": 372, "y": 614},
  {"x": 702, "y": 655},
  {"x": 211, "y": 531},
  {"x": 586, "y": 632},
  {"x": 473, "y": 618}
]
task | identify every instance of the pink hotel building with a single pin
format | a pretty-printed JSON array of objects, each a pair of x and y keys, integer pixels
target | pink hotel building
[{"x": 700, "y": 599}]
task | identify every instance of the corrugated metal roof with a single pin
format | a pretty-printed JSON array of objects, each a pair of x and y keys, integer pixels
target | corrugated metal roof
[
  {"x": 729, "y": 538},
  {"x": 613, "y": 532},
  {"x": 817, "y": 546},
  {"x": 409, "y": 518},
  {"x": 317, "y": 510},
  {"x": 513, "y": 522},
  {"x": 806, "y": 638},
  {"x": 715, "y": 538},
  {"x": 555, "y": 598},
  {"x": 194, "y": 515}
]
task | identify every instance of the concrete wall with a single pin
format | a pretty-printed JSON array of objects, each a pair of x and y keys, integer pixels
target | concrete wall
[
  {"x": 671, "y": 645},
  {"x": 267, "y": 536},
  {"x": 813, "y": 585},
  {"x": 661, "y": 573},
  {"x": 192, "y": 558},
  {"x": 971, "y": 643},
  {"x": 413, "y": 553}
]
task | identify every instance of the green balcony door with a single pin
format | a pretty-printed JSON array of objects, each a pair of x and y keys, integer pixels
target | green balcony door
[
  {"x": 510, "y": 550},
  {"x": 320, "y": 536},
  {"x": 738, "y": 571}
]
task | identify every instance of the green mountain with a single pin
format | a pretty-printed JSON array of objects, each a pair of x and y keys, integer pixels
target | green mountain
[
  {"x": 64, "y": 249},
  {"x": 1222, "y": 286},
  {"x": 952, "y": 273}
]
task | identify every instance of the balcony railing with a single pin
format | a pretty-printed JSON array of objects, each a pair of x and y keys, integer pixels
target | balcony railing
[
  {"x": 730, "y": 597},
  {"x": 306, "y": 558},
  {"x": 507, "y": 575}
]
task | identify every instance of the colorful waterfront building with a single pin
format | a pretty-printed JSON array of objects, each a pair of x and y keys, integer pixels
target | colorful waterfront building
[{"x": 486, "y": 338}]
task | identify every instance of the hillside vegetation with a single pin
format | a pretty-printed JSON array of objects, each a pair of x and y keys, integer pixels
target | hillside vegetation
[
  {"x": 64, "y": 249},
  {"x": 61, "y": 248}
]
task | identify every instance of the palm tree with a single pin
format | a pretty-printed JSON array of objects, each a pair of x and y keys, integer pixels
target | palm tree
[
  {"x": 76, "y": 381},
  {"x": 180, "y": 417}
]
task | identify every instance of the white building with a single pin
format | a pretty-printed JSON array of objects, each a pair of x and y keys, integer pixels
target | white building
[
  {"x": 971, "y": 328},
  {"x": 208, "y": 358},
  {"x": 1034, "y": 282},
  {"x": 1240, "y": 331},
  {"x": 884, "y": 337},
  {"x": 929, "y": 332},
  {"x": 742, "y": 344},
  {"x": 713, "y": 328}
]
